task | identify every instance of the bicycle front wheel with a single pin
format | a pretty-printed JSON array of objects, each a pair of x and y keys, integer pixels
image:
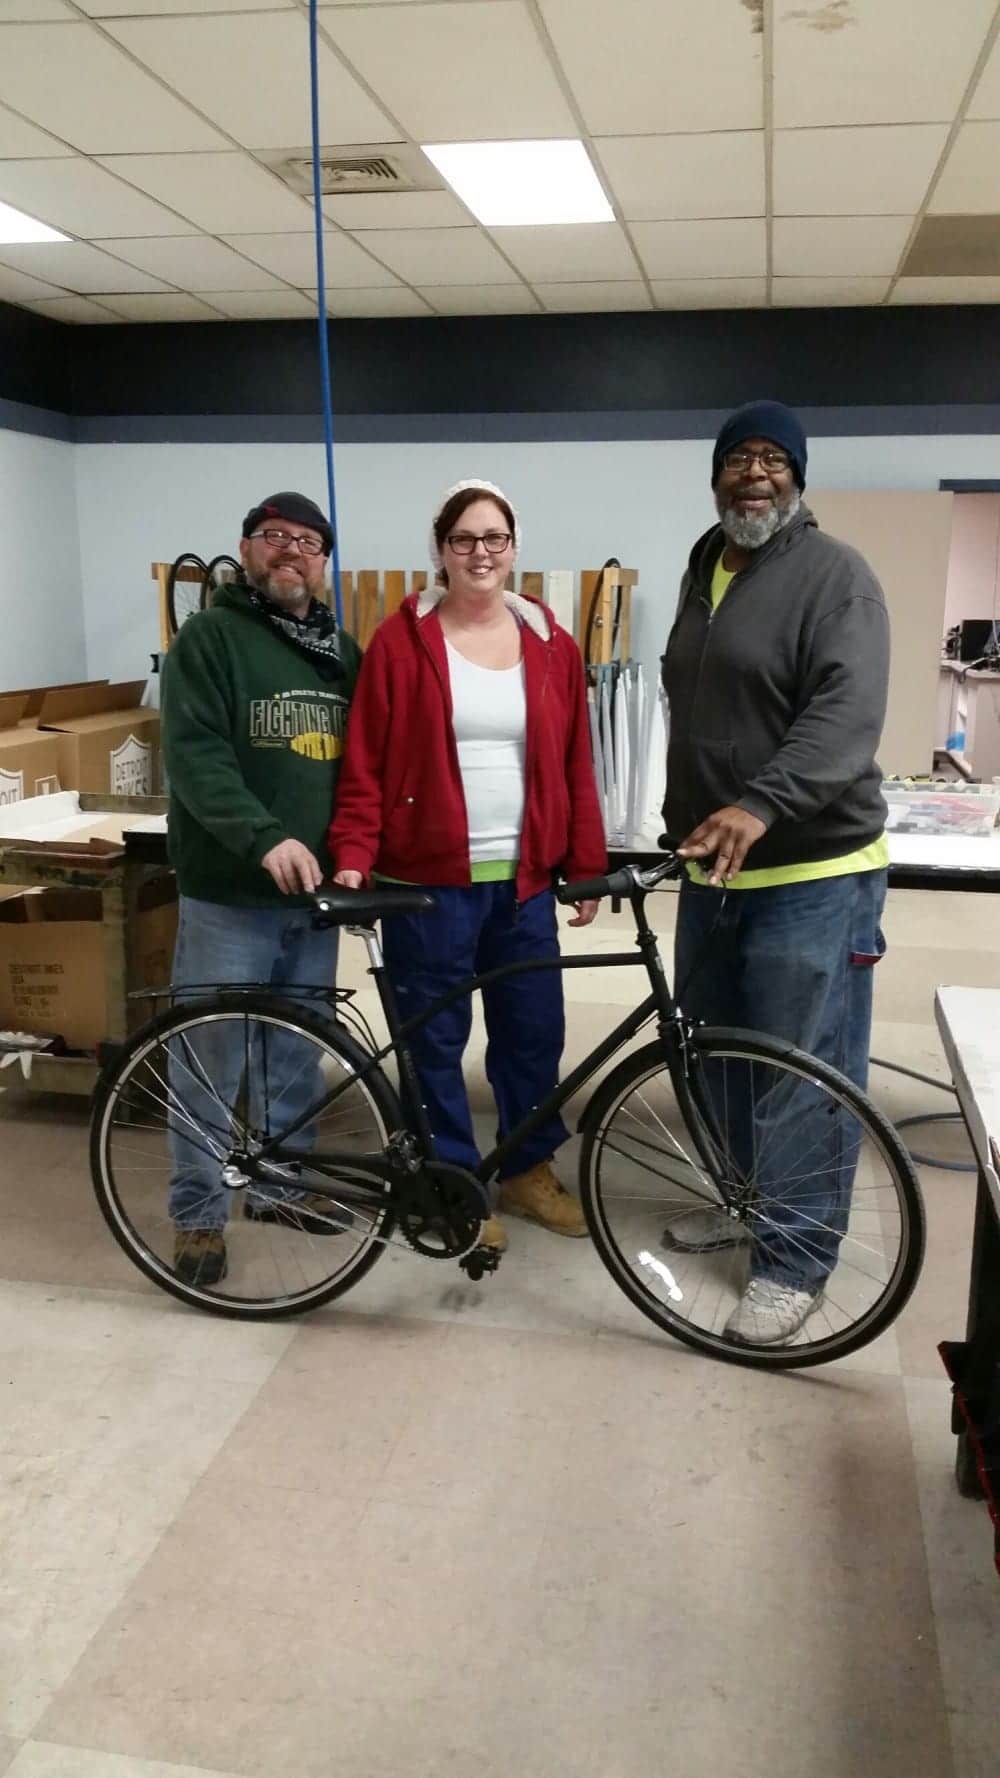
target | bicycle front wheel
[
  {"x": 178, "y": 1121},
  {"x": 764, "y": 1187}
]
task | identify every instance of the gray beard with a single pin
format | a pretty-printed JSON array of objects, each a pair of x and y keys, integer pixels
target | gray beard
[
  {"x": 752, "y": 533},
  {"x": 286, "y": 598}
]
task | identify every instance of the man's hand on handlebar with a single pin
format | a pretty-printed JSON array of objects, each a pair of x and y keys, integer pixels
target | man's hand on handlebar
[
  {"x": 728, "y": 836},
  {"x": 349, "y": 879},
  {"x": 585, "y": 912}
]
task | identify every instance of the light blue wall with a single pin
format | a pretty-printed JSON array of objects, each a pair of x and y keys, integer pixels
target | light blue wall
[
  {"x": 41, "y": 609},
  {"x": 578, "y": 503}
]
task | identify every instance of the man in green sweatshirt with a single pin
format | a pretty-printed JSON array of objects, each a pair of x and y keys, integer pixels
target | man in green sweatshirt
[{"x": 255, "y": 698}]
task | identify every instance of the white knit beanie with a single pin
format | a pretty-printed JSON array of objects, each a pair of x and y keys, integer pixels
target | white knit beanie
[{"x": 485, "y": 488}]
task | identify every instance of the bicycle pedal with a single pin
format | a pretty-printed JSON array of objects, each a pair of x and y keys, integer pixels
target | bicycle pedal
[{"x": 480, "y": 1261}]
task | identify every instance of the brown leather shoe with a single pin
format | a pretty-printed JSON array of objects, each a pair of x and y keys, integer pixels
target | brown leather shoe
[
  {"x": 199, "y": 1256},
  {"x": 539, "y": 1196}
]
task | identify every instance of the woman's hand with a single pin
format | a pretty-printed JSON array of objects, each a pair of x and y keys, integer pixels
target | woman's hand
[
  {"x": 349, "y": 879},
  {"x": 585, "y": 911}
]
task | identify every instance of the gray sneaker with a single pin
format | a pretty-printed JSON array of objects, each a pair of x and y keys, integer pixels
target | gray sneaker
[
  {"x": 770, "y": 1314},
  {"x": 704, "y": 1231}
]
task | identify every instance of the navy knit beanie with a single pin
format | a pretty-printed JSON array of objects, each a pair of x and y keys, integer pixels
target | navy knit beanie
[
  {"x": 763, "y": 419},
  {"x": 296, "y": 507}
]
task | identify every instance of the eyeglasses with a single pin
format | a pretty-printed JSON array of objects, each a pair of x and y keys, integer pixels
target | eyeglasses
[
  {"x": 308, "y": 546},
  {"x": 771, "y": 460},
  {"x": 464, "y": 542}
]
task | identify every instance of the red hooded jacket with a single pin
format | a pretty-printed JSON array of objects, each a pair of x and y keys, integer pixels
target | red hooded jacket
[{"x": 400, "y": 807}]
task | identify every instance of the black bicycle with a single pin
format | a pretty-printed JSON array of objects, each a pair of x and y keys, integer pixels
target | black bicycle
[{"x": 708, "y": 1156}]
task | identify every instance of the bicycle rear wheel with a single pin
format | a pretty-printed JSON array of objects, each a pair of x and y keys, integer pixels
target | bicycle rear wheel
[
  {"x": 769, "y": 1166},
  {"x": 197, "y": 1092}
]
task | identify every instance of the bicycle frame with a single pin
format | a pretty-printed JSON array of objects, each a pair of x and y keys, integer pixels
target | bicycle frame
[{"x": 658, "y": 1002}]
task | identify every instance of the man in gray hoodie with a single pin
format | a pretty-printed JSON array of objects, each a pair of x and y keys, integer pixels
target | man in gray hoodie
[{"x": 776, "y": 671}]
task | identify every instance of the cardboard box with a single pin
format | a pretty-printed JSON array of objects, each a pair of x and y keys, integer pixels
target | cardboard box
[
  {"x": 29, "y": 761},
  {"x": 52, "y": 959},
  {"x": 35, "y": 694},
  {"x": 107, "y": 742}
]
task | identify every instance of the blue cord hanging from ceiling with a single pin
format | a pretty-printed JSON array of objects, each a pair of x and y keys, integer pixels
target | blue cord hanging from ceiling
[{"x": 324, "y": 343}]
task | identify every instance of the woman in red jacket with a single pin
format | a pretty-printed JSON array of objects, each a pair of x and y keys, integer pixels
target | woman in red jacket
[{"x": 467, "y": 770}]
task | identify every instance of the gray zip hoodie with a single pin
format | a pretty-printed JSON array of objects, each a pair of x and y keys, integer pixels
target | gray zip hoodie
[{"x": 777, "y": 699}]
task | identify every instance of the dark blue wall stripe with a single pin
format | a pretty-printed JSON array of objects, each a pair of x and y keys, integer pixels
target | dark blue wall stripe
[
  {"x": 866, "y": 422},
  {"x": 41, "y": 422}
]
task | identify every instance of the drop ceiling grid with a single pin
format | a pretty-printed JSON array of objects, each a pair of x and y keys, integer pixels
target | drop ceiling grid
[{"x": 763, "y": 155}]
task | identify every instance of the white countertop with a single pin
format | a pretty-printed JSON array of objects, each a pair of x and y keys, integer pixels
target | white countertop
[{"x": 969, "y": 1022}]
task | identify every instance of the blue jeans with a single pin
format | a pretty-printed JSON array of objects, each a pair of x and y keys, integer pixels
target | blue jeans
[
  {"x": 470, "y": 931},
  {"x": 794, "y": 962},
  {"x": 217, "y": 944}
]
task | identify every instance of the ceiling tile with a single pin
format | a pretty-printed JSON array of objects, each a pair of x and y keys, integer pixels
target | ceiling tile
[
  {"x": 456, "y": 73},
  {"x": 481, "y": 299},
  {"x": 66, "y": 74},
  {"x": 20, "y": 140},
  {"x": 293, "y": 257},
  {"x": 875, "y": 170},
  {"x": 77, "y": 266},
  {"x": 638, "y": 66},
  {"x": 73, "y": 308},
  {"x": 946, "y": 290},
  {"x": 193, "y": 262},
  {"x": 361, "y": 303},
  {"x": 720, "y": 174},
  {"x": 260, "y": 305},
  {"x": 111, "y": 9},
  {"x": 267, "y": 106},
  {"x": 830, "y": 247},
  {"x": 397, "y": 209},
  {"x": 217, "y": 192},
  {"x": 605, "y": 297},
  {"x": 439, "y": 255},
  {"x": 20, "y": 287},
  {"x": 986, "y": 98},
  {"x": 900, "y": 61},
  {"x": 172, "y": 307},
  {"x": 970, "y": 182},
  {"x": 714, "y": 293},
  {"x": 82, "y": 199},
  {"x": 828, "y": 293},
  {"x": 670, "y": 250},
  {"x": 34, "y": 11},
  {"x": 579, "y": 252}
]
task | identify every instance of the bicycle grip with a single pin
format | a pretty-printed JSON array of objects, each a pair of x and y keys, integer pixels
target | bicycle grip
[{"x": 619, "y": 882}]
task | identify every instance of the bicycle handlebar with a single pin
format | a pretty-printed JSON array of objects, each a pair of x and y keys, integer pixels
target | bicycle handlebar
[{"x": 624, "y": 882}]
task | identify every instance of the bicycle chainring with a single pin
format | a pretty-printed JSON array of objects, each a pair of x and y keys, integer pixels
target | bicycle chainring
[{"x": 440, "y": 1210}]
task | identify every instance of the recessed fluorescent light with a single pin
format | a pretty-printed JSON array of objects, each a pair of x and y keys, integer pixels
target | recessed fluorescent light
[
  {"x": 16, "y": 228},
  {"x": 510, "y": 184}
]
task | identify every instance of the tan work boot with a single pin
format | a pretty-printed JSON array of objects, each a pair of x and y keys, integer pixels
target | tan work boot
[
  {"x": 493, "y": 1234},
  {"x": 539, "y": 1196}
]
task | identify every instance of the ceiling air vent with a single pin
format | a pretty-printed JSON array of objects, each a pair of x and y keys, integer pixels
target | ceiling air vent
[{"x": 369, "y": 167}]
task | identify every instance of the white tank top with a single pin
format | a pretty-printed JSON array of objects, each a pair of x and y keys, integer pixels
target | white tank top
[{"x": 490, "y": 722}]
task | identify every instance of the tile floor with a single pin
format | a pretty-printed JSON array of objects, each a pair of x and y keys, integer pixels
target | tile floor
[{"x": 478, "y": 1531}]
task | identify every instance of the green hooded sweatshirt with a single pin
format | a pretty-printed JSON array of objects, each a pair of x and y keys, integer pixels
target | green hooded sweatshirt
[{"x": 253, "y": 730}]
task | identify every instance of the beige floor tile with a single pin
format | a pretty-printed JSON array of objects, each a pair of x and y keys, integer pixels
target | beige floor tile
[
  {"x": 44, "y": 1759},
  {"x": 941, "y": 920},
  {"x": 206, "y": 1681},
  {"x": 47, "y": 1620},
  {"x": 937, "y": 1309},
  {"x": 958, "y": 1537},
  {"x": 8, "y": 1749}
]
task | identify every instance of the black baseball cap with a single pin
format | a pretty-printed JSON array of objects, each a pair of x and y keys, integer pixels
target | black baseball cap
[{"x": 296, "y": 507}]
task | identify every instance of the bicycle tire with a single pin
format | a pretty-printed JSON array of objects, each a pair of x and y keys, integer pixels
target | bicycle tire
[
  {"x": 635, "y": 1278},
  {"x": 209, "y": 586},
  {"x": 111, "y": 1097},
  {"x": 187, "y": 560}
]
